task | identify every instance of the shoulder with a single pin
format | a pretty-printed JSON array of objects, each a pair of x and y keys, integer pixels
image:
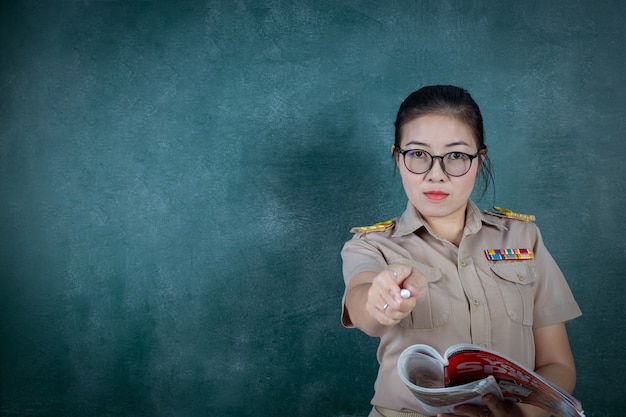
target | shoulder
[
  {"x": 377, "y": 228},
  {"x": 366, "y": 247},
  {"x": 511, "y": 221},
  {"x": 503, "y": 213}
]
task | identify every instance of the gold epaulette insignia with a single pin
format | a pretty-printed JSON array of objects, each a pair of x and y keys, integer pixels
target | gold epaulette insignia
[
  {"x": 378, "y": 227},
  {"x": 502, "y": 212}
]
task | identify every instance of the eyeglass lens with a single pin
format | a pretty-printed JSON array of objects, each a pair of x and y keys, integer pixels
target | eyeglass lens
[{"x": 455, "y": 164}]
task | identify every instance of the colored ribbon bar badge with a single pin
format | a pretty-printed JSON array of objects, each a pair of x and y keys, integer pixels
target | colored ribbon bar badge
[{"x": 509, "y": 254}]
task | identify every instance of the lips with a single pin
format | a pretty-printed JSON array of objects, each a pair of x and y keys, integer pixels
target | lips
[{"x": 435, "y": 195}]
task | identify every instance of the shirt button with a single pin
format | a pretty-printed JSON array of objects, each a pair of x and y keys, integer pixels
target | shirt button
[
  {"x": 462, "y": 263},
  {"x": 475, "y": 301},
  {"x": 521, "y": 277}
]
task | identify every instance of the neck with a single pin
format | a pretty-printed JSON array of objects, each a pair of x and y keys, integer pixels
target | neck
[{"x": 450, "y": 227}]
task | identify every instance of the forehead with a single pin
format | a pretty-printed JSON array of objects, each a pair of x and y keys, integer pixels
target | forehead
[{"x": 436, "y": 129}]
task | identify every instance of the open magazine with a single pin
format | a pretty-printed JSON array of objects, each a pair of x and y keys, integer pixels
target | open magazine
[{"x": 466, "y": 372}]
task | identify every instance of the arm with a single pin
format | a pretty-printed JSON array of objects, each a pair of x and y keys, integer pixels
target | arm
[
  {"x": 553, "y": 356},
  {"x": 356, "y": 305},
  {"x": 553, "y": 360}
]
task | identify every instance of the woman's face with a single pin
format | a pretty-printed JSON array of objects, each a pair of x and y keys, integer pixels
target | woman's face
[{"x": 434, "y": 193}]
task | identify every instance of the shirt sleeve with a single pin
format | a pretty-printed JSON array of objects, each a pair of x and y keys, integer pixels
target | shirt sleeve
[
  {"x": 358, "y": 255},
  {"x": 554, "y": 301}
]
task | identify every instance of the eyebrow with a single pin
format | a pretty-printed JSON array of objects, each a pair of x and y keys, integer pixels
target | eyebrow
[{"x": 449, "y": 145}]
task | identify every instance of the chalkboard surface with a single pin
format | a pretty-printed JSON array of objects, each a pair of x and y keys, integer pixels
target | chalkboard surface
[{"x": 177, "y": 180}]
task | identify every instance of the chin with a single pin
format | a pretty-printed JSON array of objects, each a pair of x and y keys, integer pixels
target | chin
[{"x": 436, "y": 209}]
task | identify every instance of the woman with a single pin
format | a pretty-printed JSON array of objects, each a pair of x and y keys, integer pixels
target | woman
[{"x": 436, "y": 250}]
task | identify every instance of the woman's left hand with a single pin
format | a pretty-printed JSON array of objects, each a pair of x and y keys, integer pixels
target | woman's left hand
[{"x": 493, "y": 408}]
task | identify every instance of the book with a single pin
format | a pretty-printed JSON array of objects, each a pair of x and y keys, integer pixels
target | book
[{"x": 466, "y": 372}]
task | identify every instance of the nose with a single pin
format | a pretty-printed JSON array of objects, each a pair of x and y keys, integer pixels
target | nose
[{"x": 437, "y": 172}]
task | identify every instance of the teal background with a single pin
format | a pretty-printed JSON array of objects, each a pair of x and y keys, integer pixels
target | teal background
[{"x": 177, "y": 180}]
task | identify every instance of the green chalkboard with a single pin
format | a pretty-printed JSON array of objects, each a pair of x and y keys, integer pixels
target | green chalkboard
[{"x": 177, "y": 180}]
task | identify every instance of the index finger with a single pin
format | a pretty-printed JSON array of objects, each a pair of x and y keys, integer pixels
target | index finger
[{"x": 399, "y": 272}]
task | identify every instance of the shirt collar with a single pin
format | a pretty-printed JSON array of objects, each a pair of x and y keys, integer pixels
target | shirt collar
[{"x": 411, "y": 220}]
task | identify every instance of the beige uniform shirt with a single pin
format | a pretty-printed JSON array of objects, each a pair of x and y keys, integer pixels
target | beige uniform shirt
[{"x": 470, "y": 299}]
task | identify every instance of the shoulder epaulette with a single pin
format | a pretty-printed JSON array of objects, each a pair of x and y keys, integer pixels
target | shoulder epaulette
[
  {"x": 502, "y": 212},
  {"x": 378, "y": 227}
]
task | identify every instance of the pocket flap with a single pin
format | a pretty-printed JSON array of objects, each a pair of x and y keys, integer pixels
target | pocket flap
[
  {"x": 431, "y": 274},
  {"x": 518, "y": 272}
]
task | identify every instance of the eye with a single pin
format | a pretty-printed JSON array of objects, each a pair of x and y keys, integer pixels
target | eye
[
  {"x": 417, "y": 154},
  {"x": 455, "y": 156}
]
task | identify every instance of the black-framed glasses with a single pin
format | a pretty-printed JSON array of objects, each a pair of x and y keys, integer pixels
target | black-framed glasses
[{"x": 455, "y": 164}]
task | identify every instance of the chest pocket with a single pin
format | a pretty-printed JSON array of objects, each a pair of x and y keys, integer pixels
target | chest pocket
[
  {"x": 434, "y": 310},
  {"x": 516, "y": 280}
]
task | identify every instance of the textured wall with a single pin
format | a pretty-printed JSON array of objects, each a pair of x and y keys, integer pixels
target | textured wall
[{"x": 177, "y": 179}]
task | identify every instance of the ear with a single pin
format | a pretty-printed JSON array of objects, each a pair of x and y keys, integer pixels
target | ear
[
  {"x": 483, "y": 155},
  {"x": 394, "y": 154},
  {"x": 397, "y": 158}
]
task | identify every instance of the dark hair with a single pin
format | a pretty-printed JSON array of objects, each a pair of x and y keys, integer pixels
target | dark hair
[{"x": 450, "y": 101}]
